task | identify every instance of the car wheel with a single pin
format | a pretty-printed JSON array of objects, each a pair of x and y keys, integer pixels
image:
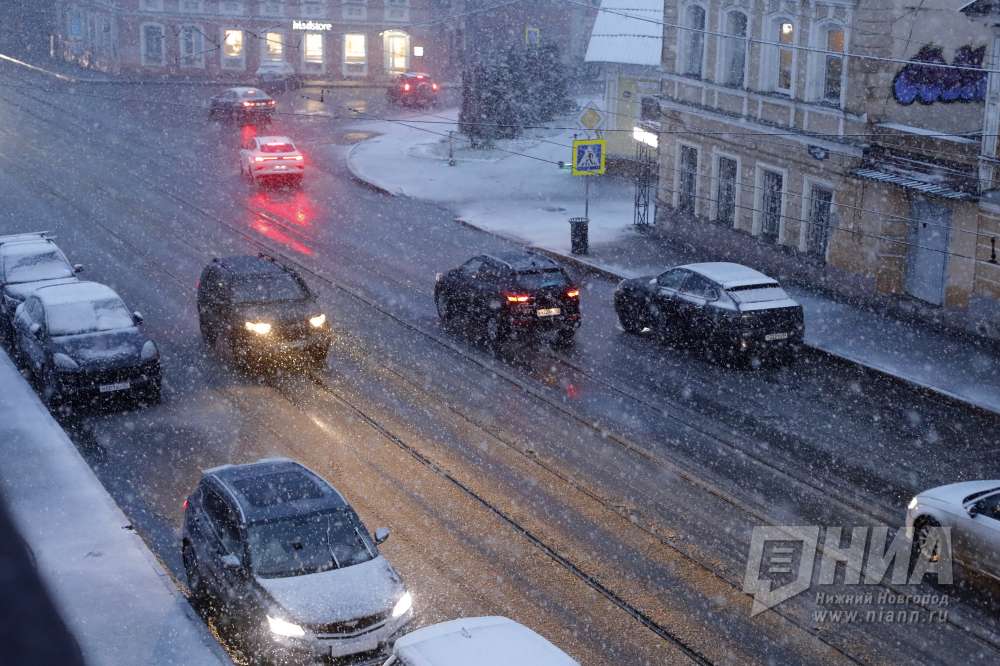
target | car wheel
[
  {"x": 317, "y": 355},
  {"x": 153, "y": 394},
  {"x": 924, "y": 544},
  {"x": 199, "y": 592},
  {"x": 50, "y": 386},
  {"x": 629, "y": 318},
  {"x": 208, "y": 333},
  {"x": 443, "y": 304},
  {"x": 496, "y": 332}
]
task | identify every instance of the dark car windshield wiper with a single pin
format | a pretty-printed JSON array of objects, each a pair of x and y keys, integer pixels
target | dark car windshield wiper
[{"x": 329, "y": 543}]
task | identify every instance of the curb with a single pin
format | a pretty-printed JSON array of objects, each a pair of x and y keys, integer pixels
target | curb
[
  {"x": 593, "y": 269},
  {"x": 361, "y": 180}
]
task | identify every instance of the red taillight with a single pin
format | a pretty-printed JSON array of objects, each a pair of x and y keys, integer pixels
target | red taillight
[
  {"x": 518, "y": 298},
  {"x": 434, "y": 86},
  {"x": 298, "y": 158},
  {"x": 573, "y": 293},
  {"x": 258, "y": 159},
  {"x": 406, "y": 87},
  {"x": 247, "y": 103},
  {"x": 186, "y": 504},
  {"x": 271, "y": 102}
]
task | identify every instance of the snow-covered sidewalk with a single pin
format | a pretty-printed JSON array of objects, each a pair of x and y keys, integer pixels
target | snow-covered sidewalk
[
  {"x": 113, "y": 594},
  {"x": 518, "y": 191}
]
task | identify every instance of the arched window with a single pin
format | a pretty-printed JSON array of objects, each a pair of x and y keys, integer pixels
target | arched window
[
  {"x": 693, "y": 41},
  {"x": 832, "y": 69},
  {"x": 734, "y": 50},
  {"x": 783, "y": 64},
  {"x": 397, "y": 51}
]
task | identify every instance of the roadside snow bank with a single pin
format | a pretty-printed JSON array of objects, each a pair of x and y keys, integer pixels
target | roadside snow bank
[{"x": 113, "y": 594}]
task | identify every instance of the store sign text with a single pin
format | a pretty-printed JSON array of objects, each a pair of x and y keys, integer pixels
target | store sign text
[{"x": 311, "y": 26}]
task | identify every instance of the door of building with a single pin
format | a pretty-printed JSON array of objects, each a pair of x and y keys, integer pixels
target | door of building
[{"x": 927, "y": 258}]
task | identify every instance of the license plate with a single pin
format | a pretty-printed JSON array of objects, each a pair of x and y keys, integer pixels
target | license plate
[
  {"x": 111, "y": 388},
  {"x": 776, "y": 336},
  {"x": 280, "y": 167},
  {"x": 549, "y": 312}
]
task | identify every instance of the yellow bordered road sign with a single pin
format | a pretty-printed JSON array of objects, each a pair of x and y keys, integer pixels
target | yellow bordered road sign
[{"x": 589, "y": 157}]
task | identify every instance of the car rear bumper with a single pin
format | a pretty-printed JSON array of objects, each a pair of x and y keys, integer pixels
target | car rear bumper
[{"x": 270, "y": 171}]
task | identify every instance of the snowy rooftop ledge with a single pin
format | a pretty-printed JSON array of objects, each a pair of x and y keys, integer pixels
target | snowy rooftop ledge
[
  {"x": 627, "y": 32},
  {"x": 113, "y": 594}
]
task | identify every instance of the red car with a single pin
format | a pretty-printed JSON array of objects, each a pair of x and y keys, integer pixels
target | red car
[{"x": 412, "y": 89}]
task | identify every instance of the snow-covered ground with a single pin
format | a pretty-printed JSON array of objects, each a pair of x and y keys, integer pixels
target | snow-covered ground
[
  {"x": 527, "y": 198},
  {"x": 113, "y": 594}
]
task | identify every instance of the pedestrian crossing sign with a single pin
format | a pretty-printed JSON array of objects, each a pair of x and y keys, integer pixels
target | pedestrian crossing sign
[{"x": 589, "y": 157}]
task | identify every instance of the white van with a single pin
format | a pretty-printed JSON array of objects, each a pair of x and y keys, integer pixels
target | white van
[{"x": 483, "y": 641}]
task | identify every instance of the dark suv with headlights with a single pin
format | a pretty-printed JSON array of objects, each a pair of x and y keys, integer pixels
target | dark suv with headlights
[
  {"x": 278, "y": 549},
  {"x": 726, "y": 306},
  {"x": 262, "y": 310},
  {"x": 511, "y": 294}
]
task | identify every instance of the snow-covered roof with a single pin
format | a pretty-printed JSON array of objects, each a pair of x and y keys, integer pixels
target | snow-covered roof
[
  {"x": 628, "y": 32},
  {"x": 273, "y": 139},
  {"x": 728, "y": 274},
  {"x": 483, "y": 641},
  {"x": 76, "y": 292}
]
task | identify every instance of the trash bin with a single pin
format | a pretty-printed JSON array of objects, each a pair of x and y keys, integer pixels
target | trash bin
[{"x": 578, "y": 234}]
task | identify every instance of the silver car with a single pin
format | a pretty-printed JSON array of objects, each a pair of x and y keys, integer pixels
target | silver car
[{"x": 972, "y": 510}]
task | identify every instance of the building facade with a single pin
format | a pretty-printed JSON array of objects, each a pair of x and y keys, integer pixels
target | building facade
[
  {"x": 232, "y": 39},
  {"x": 800, "y": 135}
]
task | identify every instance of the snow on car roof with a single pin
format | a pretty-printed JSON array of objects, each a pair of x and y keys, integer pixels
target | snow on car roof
[
  {"x": 75, "y": 292},
  {"x": 26, "y": 246},
  {"x": 483, "y": 641},
  {"x": 730, "y": 275}
]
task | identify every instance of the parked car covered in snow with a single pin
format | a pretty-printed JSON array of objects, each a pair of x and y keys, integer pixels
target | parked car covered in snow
[
  {"x": 726, "y": 306},
  {"x": 28, "y": 261},
  {"x": 279, "y": 548},
  {"x": 79, "y": 340},
  {"x": 277, "y": 75},
  {"x": 478, "y": 641}
]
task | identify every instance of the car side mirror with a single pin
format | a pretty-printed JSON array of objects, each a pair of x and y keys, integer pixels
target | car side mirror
[
  {"x": 653, "y": 282},
  {"x": 973, "y": 510},
  {"x": 36, "y": 329},
  {"x": 231, "y": 562},
  {"x": 137, "y": 318},
  {"x": 712, "y": 296},
  {"x": 438, "y": 276},
  {"x": 77, "y": 268},
  {"x": 381, "y": 534}
]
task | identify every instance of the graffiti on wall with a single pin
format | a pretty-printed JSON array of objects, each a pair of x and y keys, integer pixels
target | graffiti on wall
[{"x": 927, "y": 84}]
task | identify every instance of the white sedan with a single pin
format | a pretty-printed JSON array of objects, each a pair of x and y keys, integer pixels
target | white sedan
[
  {"x": 972, "y": 510},
  {"x": 271, "y": 158}
]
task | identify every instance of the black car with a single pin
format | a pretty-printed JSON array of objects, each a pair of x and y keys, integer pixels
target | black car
[
  {"x": 27, "y": 262},
  {"x": 275, "y": 547},
  {"x": 727, "y": 306},
  {"x": 79, "y": 340},
  {"x": 510, "y": 294},
  {"x": 244, "y": 105},
  {"x": 413, "y": 89},
  {"x": 261, "y": 309}
]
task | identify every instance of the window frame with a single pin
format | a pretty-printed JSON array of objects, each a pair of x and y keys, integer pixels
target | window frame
[
  {"x": 348, "y": 5},
  {"x": 311, "y": 65},
  {"x": 726, "y": 49},
  {"x": 809, "y": 184},
  {"x": 229, "y": 62},
  {"x": 387, "y": 53},
  {"x": 717, "y": 157},
  {"x": 392, "y": 6},
  {"x": 819, "y": 63},
  {"x": 772, "y": 63},
  {"x": 143, "y": 60},
  {"x": 151, "y": 5},
  {"x": 355, "y": 67},
  {"x": 686, "y": 40},
  {"x": 199, "y": 53},
  {"x": 758, "y": 216},
  {"x": 200, "y": 4},
  {"x": 262, "y": 8},
  {"x": 679, "y": 173},
  {"x": 265, "y": 56}
]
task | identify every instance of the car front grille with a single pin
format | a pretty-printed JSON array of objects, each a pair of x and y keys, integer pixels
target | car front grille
[{"x": 350, "y": 628}]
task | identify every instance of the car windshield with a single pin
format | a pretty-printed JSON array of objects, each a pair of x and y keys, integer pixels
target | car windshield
[
  {"x": 541, "y": 279},
  {"x": 267, "y": 289},
  {"x": 277, "y": 148},
  {"x": 755, "y": 293},
  {"x": 308, "y": 544},
  {"x": 48, "y": 264},
  {"x": 87, "y": 317}
]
